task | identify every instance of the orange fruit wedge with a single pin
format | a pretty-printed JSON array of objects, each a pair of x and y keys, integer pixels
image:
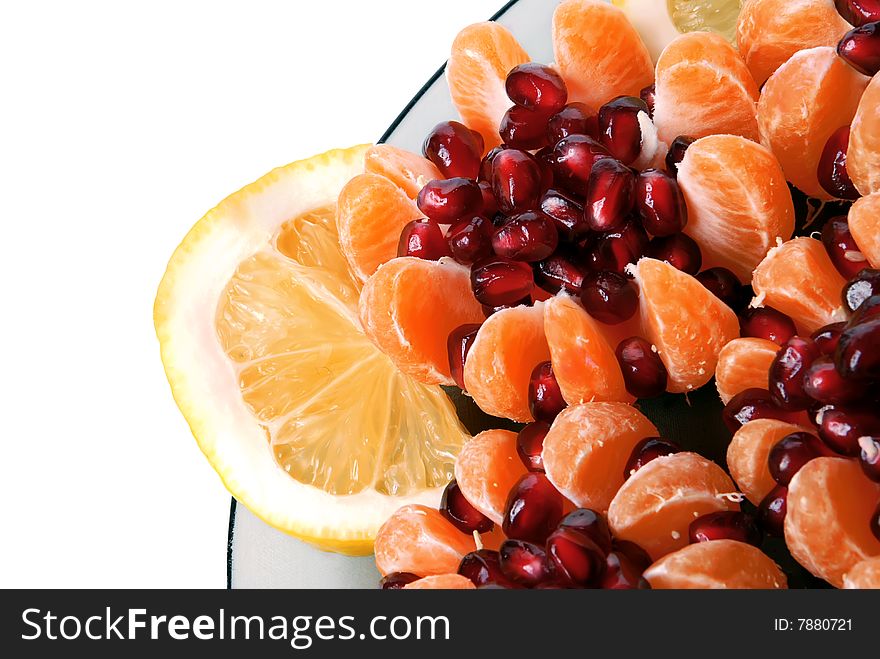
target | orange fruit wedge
[
  {"x": 703, "y": 88},
  {"x": 486, "y": 469},
  {"x": 407, "y": 170},
  {"x": 863, "y": 155},
  {"x": 864, "y": 225},
  {"x": 441, "y": 582},
  {"x": 864, "y": 575},
  {"x": 743, "y": 364},
  {"x": 738, "y": 201},
  {"x": 809, "y": 97},
  {"x": 482, "y": 56},
  {"x": 409, "y": 306},
  {"x": 588, "y": 39},
  {"x": 747, "y": 455},
  {"x": 688, "y": 324}
]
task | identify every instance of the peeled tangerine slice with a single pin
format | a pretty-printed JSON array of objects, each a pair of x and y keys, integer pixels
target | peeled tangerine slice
[
  {"x": 583, "y": 362},
  {"x": 587, "y": 448},
  {"x": 688, "y": 325},
  {"x": 441, "y": 582},
  {"x": 738, "y": 201},
  {"x": 863, "y": 156},
  {"x": 717, "y": 564},
  {"x": 864, "y": 225},
  {"x": 482, "y": 56},
  {"x": 703, "y": 88},
  {"x": 744, "y": 364},
  {"x": 588, "y": 38},
  {"x": 865, "y": 574},
  {"x": 808, "y": 98},
  {"x": 656, "y": 505},
  {"x": 827, "y": 523},
  {"x": 420, "y": 540},
  {"x": 408, "y": 308},
  {"x": 747, "y": 455},
  {"x": 502, "y": 357},
  {"x": 408, "y": 171},
  {"x": 486, "y": 469},
  {"x": 768, "y": 32},
  {"x": 799, "y": 279}
]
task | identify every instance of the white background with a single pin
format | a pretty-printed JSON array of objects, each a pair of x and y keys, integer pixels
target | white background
[{"x": 121, "y": 123}]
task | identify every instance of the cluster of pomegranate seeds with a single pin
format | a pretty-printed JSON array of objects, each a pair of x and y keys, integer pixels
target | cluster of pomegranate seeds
[{"x": 725, "y": 525}]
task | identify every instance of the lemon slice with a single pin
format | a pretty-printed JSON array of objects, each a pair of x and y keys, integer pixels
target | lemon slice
[{"x": 308, "y": 424}]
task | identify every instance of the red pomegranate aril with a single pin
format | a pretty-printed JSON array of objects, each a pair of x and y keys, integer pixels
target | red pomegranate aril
[
  {"x": 576, "y": 557},
  {"x": 860, "y": 48},
  {"x": 766, "y": 323},
  {"x": 522, "y": 128},
  {"x": 832, "y": 166},
  {"x": 422, "y": 239},
  {"x": 447, "y": 200},
  {"x": 525, "y": 563},
  {"x": 488, "y": 311},
  {"x": 537, "y": 87},
  {"x": 869, "y": 308},
  {"x": 637, "y": 556},
  {"x": 842, "y": 248},
  {"x": 725, "y": 525},
  {"x": 573, "y": 119},
  {"x": 646, "y": 450},
  {"x": 648, "y": 94},
  {"x": 455, "y": 149},
  {"x": 875, "y": 523},
  {"x": 619, "y": 129},
  {"x": 567, "y": 214},
  {"x": 678, "y": 250},
  {"x": 530, "y": 443},
  {"x": 609, "y": 297},
  {"x": 470, "y": 240},
  {"x": 529, "y": 236},
  {"x": 533, "y": 509},
  {"x": 545, "y": 397},
  {"x": 858, "y": 289},
  {"x": 483, "y": 568},
  {"x": 516, "y": 181},
  {"x": 617, "y": 249},
  {"x": 859, "y": 12},
  {"x": 751, "y": 404},
  {"x": 723, "y": 284},
  {"x": 397, "y": 580},
  {"x": 676, "y": 153},
  {"x": 490, "y": 204},
  {"x": 459, "y": 511},
  {"x": 660, "y": 203},
  {"x": 827, "y": 338},
  {"x": 573, "y": 159},
  {"x": 869, "y": 457},
  {"x": 499, "y": 281},
  {"x": 592, "y": 524},
  {"x": 772, "y": 509},
  {"x": 644, "y": 373},
  {"x": 486, "y": 163},
  {"x": 792, "y": 452},
  {"x": 787, "y": 373},
  {"x": 558, "y": 272},
  {"x": 621, "y": 573},
  {"x": 840, "y": 427},
  {"x": 458, "y": 343},
  {"x": 610, "y": 195},
  {"x": 823, "y": 383},
  {"x": 858, "y": 353}
]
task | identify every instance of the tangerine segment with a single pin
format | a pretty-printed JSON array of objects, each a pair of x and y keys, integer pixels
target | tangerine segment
[
  {"x": 486, "y": 469},
  {"x": 420, "y": 540},
  {"x": 864, "y": 224},
  {"x": 863, "y": 156},
  {"x": 583, "y": 362},
  {"x": 587, "y": 448},
  {"x": 407, "y": 170},
  {"x": 738, "y": 201},
  {"x": 409, "y": 306},
  {"x": 688, "y": 324},
  {"x": 370, "y": 214},
  {"x": 703, "y": 88},
  {"x": 799, "y": 279},
  {"x": 865, "y": 575},
  {"x": 588, "y": 38},
  {"x": 441, "y": 582},
  {"x": 656, "y": 505},
  {"x": 502, "y": 357},
  {"x": 743, "y": 364},
  {"x": 827, "y": 523},
  {"x": 769, "y": 32},
  {"x": 718, "y": 564},
  {"x": 809, "y": 97},
  {"x": 747, "y": 455},
  {"x": 482, "y": 56}
]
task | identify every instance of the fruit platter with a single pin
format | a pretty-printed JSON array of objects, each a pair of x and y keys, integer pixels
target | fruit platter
[{"x": 601, "y": 310}]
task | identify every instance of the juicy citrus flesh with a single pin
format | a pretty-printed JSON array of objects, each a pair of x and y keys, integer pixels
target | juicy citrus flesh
[
  {"x": 744, "y": 364},
  {"x": 864, "y": 224},
  {"x": 747, "y": 455},
  {"x": 709, "y": 15},
  {"x": 486, "y": 469},
  {"x": 441, "y": 582},
  {"x": 408, "y": 171},
  {"x": 864, "y": 575},
  {"x": 863, "y": 156}
]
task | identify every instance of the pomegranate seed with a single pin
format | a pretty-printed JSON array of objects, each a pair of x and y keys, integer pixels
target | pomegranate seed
[
  {"x": 637, "y": 556},
  {"x": 522, "y": 128},
  {"x": 676, "y": 153},
  {"x": 678, "y": 250},
  {"x": 545, "y": 162},
  {"x": 766, "y": 323},
  {"x": 643, "y": 371},
  {"x": 752, "y": 404},
  {"x": 725, "y": 525},
  {"x": 609, "y": 297},
  {"x": 823, "y": 383},
  {"x": 875, "y": 523},
  {"x": 576, "y": 557},
  {"x": 470, "y": 240},
  {"x": 567, "y": 214},
  {"x": 422, "y": 239},
  {"x": 455, "y": 149},
  {"x": 859, "y": 12},
  {"x": 787, "y": 373},
  {"x": 792, "y": 452},
  {"x": 619, "y": 129},
  {"x": 840, "y": 427},
  {"x": 723, "y": 284},
  {"x": 869, "y": 308},
  {"x": 615, "y": 250},
  {"x": 610, "y": 195},
  {"x": 537, "y": 87},
  {"x": 446, "y": 200},
  {"x": 486, "y": 163},
  {"x": 528, "y": 236},
  {"x": 591, "y": 524},
  {"x": 490, "y": 204},
  {"x": 458, "y": 343},
  {"x": 646, "y": 450},
  {"x": 621, "y": 573},
  {"x": 573, "y": 159},
  {"x": 488, "y": 311},
  {"x": 827, "y": 337},
  {"x": 558, "y": 272},
  {"x": 525, "y": 563},
  {"x": 483, "y": 568},
  {"x": 771, "y": 511},
  {"x": 858, "y": 353},
  {"x": 545, "y": 398},
  {"x": 516, "y": 180},
  {"x": 648, "y": 94},
  {"x": 533, "y": 509},
  {"x": 858, "y": 289},
  {"x": 842, "y": 248},
  {"x": 498, "y": 281},
  {"x": 397, "y": 580},
  {"x": 860, "y": 47},
  {"x": 660, "y": 203},
  {"x": 459, "y": 511},
  {"x": 530, "y": 443},
  {"x": 832, "y": 166},
  {"x": 869, "y": 457},
  {"x": 573, "y": 119}
]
